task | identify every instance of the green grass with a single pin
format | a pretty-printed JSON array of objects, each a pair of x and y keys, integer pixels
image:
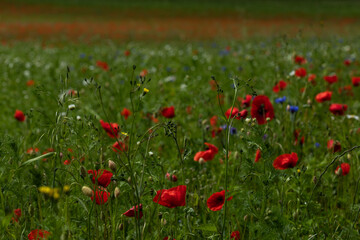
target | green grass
[{"x": 267, "y": 203}]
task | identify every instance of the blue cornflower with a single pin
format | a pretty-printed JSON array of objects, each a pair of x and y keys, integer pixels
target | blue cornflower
[
  {"x": 317, "y": 144},
  {"x": 280, "y": 99},
  {"x": 82, "y": 55},
  {"x": 293, "y": 109},
  {"x": 233, "y": 131}
]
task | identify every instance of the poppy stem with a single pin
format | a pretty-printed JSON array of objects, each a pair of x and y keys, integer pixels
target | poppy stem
[{"x": 229, "y": 122}]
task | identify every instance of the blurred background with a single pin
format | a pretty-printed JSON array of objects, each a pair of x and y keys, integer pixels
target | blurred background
[{"x": 88, "y": 21}]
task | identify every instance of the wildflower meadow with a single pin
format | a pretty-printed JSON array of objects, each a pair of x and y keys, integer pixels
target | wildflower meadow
[{"x": 216, "y": 139}]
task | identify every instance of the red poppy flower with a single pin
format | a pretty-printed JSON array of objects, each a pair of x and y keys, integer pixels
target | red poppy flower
[
  {"x": 216, "y": 201},
  {"x": 189, "y": 110},
  {"x": 220, "y": 99},
  {"x": 102, "y": 65},
  {"x": 247, "y": 101},
  {"x": 38, "y": 234},
  {"x": 143, "y": 73},
  {"x": 102, "y": 176},
  {"x": 296, "y": 135},
  {"x": 127, "y": 53},
  {"x": 338, "y": 109},
  {"x": 355, "y": 81},
  {"x": 173, "y": 197},
  {"x": 119, "y": 147},
  {"x": 213, "y": 85},
  {"x": 334, "y": 146},
  {"x": 126, "y": 113},
  {"x": 261, "y": 109},
  {"x": 235, "y": 111},
  {"x": 213, "y": 121},
  {"x": 168, "y": 112},
  {"x": 257, "y": 155},
  {"x": 347, "y": 62},
  {"x": 131, "y": 212},
  {"x": 299, "y": 59},
  {"x": 32, "y": 151},
  {"x": 331, "y": 79},
  {"x": 323, "y": 96},
  {"x": 30, "y": 83},
  {"x": 66, "y": 162},
  {"x": 235, "y": 235},
  {"x": 311, "y": 79},
  {"x": 281, "y": 85},
  {"x": 207, "y": 155},
  {"x": 285, "y": 161},
  {"x": 242, "y": 114},
  {"x": 19, "y": 115},
  {"x": 345, "y": 169},
  {"x": 112, "y": 129},
  {"x": 102, "y": 196},
  {"x": 346, "y": 90},
  {"x": 17, "y": 213},
  {"x": 300, "y": 72},
  {"x": 167, "y": 238}
]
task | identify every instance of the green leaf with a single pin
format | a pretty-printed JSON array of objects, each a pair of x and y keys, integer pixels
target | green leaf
[
  {"x": 38, "y": 158},
  {"x": 207, "y": 227}
]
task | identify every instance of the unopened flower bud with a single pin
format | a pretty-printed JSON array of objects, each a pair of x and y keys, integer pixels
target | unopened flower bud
[
  {"x": 174, "y": 178},
  {"x": 201, "y": 161},
  {"x": 163, "y": 221},
  {"x": 112, "y": 165},
  {"x": 309, "y": 101},
  {"x": 87, "y": 191},
  {"x": 129, "y": 179},
  {"x": 71, "y": 107},
  {"x": 121, "y": 226},
  {"x": 245, "y": 218},
  {"x": 268, "y": 119},
  {"x": 167, "y": 176},
  {"x": 117, "y": 192},
  {"x": 349, "y": 156},
  {"x": 83, "y": 172}
]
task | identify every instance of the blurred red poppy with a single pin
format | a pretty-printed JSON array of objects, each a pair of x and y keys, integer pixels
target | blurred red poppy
[
  {"x": 102, "y": 176},
  {"x": 299, "y": 59},
  {"x": 331, "y": 79},
  {"x": 311, "y": 79},
  {"x": 247, "y": 101},
  {"x": 338, "y": 109},
  {"x": 258, "y": 155},
  {"x": 30, "y": 83},
  {"x": 102, "y": 65},
  {"x": 235, "y": 111},
  {"x": 355, "y": 81},
  {"x": 168, "y": 112},
  {"x": 213, "y": 121},
  {"x": 213, "y": 85},
  {"x": 296, "y": 135},
  {"x": 323, "y": 96},
  {"x": 347, "y": 62},
  {"x": 131, "y": 212},
  {"x": 19, "y": 115},
  {"x": 285, "y": 161},
  {"x": 216, "y": 201},
  {"x": 67, "y": 162},
  {"x": 17, "y": 215},
  {"x": 333, "y": 146},
  {"x": 38, "y": 234},
  {"x": 300, "y": 72},
  {"x": 235, "y": 235},
  {"x": 127, "y": 53},
  {"x": 346, "y": 90},
  {"x": 112, "y": 129},
  {"x": 207, "y": 155},
  {"x": 167, "y": 238},
  {"x": 173, "y": 197},
  {"x": 143, "y": 73},
  {"x": 343, "y": 169},
  {"x": 102, "y": 196},
  {"x": 32, "y": 151},
  {"x": 126, "y": 113},
  {"x": 261, "y": 109},
  {"x": 281, "y": 85}
]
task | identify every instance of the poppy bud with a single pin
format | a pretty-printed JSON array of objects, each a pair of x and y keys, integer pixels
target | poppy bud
[
  {"x": 201, "y": 161},
  {"x": 245, "y": 218},
  {"x": 83, "y": 172},
  {"x": 121, "y": 226},
  {"x": 129, "y": 180},
  {"x": 112, "y": 166},
  {"x": 163, "y": 221},
  {"x": 150, "y": 179},
  {"x": 174, "y": 178},
  {"x": 117, "y": 192},
  {"x": 338, "y": 171},
  {"x": 167, "y": 175},
  {"x": 71, "y": 107},
  {"x": 61, "y": 155},
  {"x": 309, "y": 101},
  {"x": 268, "y": 119},
  {"x": 349, "y": 156},
  {"x": 87, "y": 191}
]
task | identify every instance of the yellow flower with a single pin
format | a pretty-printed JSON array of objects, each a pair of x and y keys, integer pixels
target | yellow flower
[
  {"x": 124, "y": 133},
  {"x": 146, "y": 90},
  {"x": 298, "y": 170},
  {"x": 66, "y": 188},
  {"x": 45, "y": 190}
]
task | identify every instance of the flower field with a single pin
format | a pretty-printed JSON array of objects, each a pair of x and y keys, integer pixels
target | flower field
[{"x": 205, "y": 139}]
